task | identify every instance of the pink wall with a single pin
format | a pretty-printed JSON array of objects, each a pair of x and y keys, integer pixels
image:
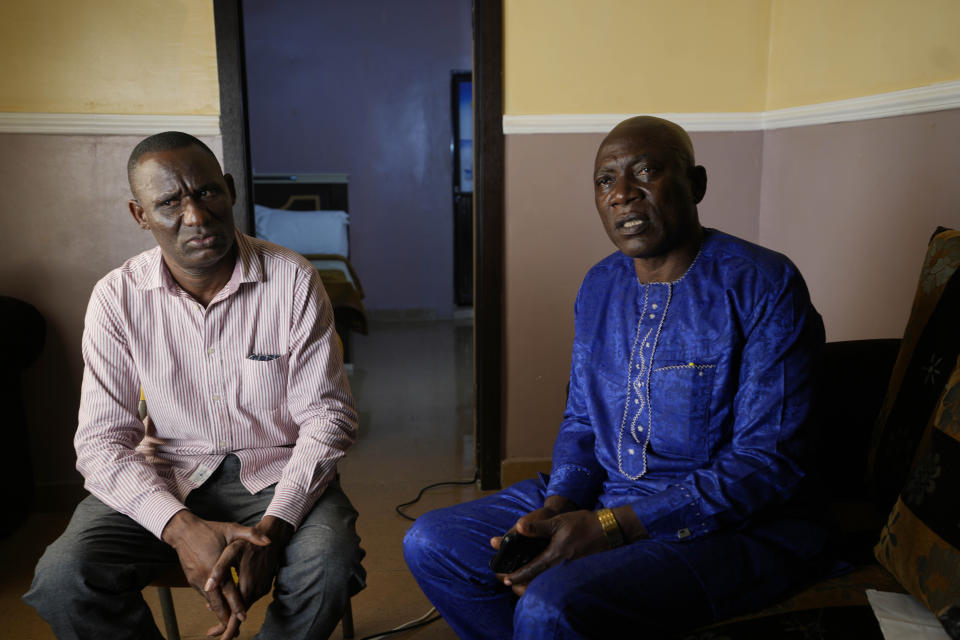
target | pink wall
[{"x": 853, "y": 204}]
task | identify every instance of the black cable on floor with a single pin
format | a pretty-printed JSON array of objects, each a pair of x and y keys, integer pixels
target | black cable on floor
[
  {"x": 402, "y": 629},
  {"x": 416, "y": 624},
  {"x": 399, "y": 507}
]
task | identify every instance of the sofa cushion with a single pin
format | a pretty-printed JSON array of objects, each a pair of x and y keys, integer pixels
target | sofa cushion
[
  {"x": 930, "y": 345},
  {"x": 920, "y": 544}
]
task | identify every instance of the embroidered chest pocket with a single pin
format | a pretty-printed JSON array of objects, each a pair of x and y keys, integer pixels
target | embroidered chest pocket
[
  {"x": 263, "y": 380},
  {"x": 680, "y": 394}
]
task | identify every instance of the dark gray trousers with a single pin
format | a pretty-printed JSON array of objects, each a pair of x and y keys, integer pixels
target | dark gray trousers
[{"x": 88, "y": 582}]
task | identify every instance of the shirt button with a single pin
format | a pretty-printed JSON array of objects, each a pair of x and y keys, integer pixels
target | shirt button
[
  {"x": 210, "y": 351},
  {"x": 215, "y": 397},
  {"x": 223, "y": 444},
  {"x": 652, "y": 316},
  {"x": 654, "y": 305},
  {"x": 683, "y": 533},
  {"x": 630, "y": 451}
]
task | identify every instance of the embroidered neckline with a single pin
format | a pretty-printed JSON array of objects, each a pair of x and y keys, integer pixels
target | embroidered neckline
[
  {"x": 703, "y": 238},
  {"x": 639, "y": 383}
]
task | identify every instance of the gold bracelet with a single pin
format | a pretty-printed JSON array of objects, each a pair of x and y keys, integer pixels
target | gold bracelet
[{"x": 610, "y": 527}]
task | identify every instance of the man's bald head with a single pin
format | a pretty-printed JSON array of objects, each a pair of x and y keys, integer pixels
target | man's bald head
[
  {"x": 646, "y": 188},
  {"x": 668, "y": 134},
  {"x": 166, "y": 141}
]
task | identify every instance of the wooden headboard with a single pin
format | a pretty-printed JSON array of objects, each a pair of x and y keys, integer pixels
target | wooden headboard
[{"x": 302, "y": 191}]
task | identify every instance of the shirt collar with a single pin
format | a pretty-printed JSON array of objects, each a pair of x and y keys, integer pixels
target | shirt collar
[
  {"x": 249, "y": 261},
  {"x": 151, "y": 275},
  {"x": 249, "y": 268}
]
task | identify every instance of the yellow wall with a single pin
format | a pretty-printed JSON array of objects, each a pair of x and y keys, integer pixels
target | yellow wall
[
  {"x": 683, "y": 56},
  {"x": 109, "y": 56},
  {"x": 631, "y": 56},
  {"x": 824, "y": 50}
]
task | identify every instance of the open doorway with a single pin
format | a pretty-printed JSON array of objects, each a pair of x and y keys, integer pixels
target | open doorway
[{"x": 485, "y": 49}]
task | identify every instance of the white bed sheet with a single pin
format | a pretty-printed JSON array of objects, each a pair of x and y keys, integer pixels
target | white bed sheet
[{"x": 304, "y": 231}]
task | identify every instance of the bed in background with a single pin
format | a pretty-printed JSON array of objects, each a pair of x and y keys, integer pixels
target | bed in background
[{"x": 309, "y": 214}]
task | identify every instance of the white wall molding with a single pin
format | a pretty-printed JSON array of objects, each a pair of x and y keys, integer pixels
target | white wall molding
[
  {"x": 107, "y": 124},
  {"x": 935, "y": 97},
  {"x": 603, "y": 122}
]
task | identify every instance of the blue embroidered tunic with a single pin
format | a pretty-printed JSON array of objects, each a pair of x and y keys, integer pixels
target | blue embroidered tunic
[{"x": 689, "y": 399}]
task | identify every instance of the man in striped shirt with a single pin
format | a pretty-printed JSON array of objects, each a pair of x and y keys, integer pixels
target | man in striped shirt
[{"x": 232, "y": 341}]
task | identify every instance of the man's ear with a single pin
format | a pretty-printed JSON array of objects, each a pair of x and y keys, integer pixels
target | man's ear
[
  {"x": 138, "y": 214},
  {"x": 232, "y": 188},
  {"x": 698, "y": 183}
]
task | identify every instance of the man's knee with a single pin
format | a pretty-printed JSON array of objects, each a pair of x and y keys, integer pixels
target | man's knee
[
  {"x": 325, "y": 556},
  {"x": 62, "y": 565},
  {"x": 62, "y": 576},
  {"x": 424, "y": 542},
  {"x": 561, "y": 601},
  {"x": 548, "y": 602},
  {"x": 53, "y": 574},
  {"x": 576, "y": 598},
  {"x": 556, "y": 608}
]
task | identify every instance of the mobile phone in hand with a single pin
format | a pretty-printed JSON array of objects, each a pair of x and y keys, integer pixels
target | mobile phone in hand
[{"x": 515, "y": 551}]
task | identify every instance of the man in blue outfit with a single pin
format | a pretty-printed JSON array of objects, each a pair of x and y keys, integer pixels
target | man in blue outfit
[{"x": 677, "y": 491}]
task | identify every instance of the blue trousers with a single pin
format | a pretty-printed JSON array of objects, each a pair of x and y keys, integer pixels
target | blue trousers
[
  {"x": 647, "y": 589},
  {"x": 88, "y": 582}
]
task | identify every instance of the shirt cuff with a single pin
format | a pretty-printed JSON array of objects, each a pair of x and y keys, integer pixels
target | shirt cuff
[
  {"x": 573, "y": 482},
  {"x": 291, "y": 504},
  {"x": 671, "y": 515},
  {"x": 156, "y": 510}
]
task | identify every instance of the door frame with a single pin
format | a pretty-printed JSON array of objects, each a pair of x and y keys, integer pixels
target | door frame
[{"x": 488, "y": 272}]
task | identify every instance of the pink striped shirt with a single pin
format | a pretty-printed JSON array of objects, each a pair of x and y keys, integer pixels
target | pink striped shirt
[{"x": 256, "y": 373}]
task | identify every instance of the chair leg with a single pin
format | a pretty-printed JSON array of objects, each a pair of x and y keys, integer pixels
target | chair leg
[
  {"x": 173, "y": 631},
  {"x": 347, "y": 621},
  {"x": 169, "y": 613}
]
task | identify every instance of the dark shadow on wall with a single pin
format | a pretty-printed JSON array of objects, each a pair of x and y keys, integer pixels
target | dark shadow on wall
[{"x": 51, "y": 395}]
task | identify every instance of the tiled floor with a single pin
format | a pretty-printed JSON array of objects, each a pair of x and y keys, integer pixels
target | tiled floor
[{"x": 413, "y": 385}]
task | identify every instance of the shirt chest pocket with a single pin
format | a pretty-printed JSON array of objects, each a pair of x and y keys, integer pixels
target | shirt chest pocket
[
  {"x": 263, "y": 382},
  {"x": 680, "y": 394}
]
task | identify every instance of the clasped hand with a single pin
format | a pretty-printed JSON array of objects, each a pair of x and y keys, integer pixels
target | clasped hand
[
  {"x": 572, "y": 534},
  {"x": 208, "y": 549}
]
